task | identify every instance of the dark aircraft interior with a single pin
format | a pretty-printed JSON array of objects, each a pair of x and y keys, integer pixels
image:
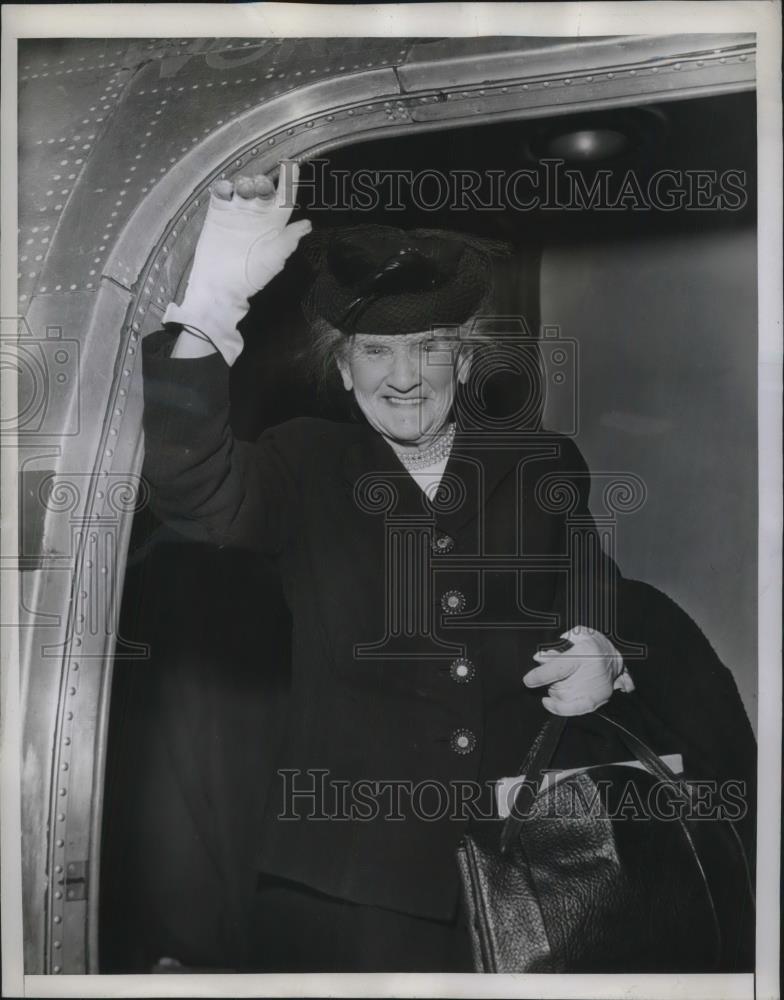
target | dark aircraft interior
[{"x": 193, "y": 729}]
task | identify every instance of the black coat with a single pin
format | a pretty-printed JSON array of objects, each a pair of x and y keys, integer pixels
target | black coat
[{"x": 368, "y": 566}]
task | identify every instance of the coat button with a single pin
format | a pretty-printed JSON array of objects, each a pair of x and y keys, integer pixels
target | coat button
[
  {"x": 462, "y": 670},
  {"x": 453, "y": 602},
  {"x": 442, "y": 544},
  {"x": 463, "y": 741}
]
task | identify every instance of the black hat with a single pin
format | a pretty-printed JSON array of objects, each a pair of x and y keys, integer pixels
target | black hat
[{"x": 384, "y": 280}]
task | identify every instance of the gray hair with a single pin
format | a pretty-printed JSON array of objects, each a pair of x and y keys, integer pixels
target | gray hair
[{"x": 328, "y": 346}]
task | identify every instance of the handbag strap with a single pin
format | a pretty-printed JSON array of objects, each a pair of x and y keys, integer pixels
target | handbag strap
[
  {"x": 541, "y": 754},
  {"x": 656, "y": 766},
  {"x": 543, "y": 749},
  {"x": 533, "y": 768},
  {"x": 650, "y": 760}
]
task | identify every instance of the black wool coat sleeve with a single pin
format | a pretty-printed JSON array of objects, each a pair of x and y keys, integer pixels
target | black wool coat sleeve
[{"x": 208, "y": 485}]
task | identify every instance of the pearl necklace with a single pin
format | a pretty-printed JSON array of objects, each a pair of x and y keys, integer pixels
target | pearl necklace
[{"x": 435, "y": 452}]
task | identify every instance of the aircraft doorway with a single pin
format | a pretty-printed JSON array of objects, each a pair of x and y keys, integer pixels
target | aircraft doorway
[{"x": 193, "y": 730}]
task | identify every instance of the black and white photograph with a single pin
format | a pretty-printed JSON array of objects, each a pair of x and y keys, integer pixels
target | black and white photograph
[{"x": 391, "y": 500}]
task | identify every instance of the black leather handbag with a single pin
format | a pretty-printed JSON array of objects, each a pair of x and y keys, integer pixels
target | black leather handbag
[{"x": 591, "y": 875}]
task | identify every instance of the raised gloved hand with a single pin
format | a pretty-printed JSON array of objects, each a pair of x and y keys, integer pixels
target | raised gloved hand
[
  {"x": 244, "y": 243},
  {"x": 580, "y": 679}
]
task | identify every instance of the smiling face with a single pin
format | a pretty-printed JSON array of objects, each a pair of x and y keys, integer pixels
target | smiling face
[{"x": 405, "y": 384}]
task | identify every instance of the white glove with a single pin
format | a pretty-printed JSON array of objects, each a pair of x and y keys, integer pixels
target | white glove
[
  {"x": 583, "y": 678},
  {"x": 244, "y": 243}
]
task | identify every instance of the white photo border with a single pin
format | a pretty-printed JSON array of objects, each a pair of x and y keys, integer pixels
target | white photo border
[{"x": 420, "y": 20}]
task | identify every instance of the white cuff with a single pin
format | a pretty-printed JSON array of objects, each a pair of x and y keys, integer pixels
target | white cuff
[
  {"x": 213, "y": 322},
  {"x": 624, "y": 682}
]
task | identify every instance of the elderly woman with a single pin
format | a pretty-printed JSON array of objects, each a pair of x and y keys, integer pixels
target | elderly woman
[{"x": 423, "y": 665}]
